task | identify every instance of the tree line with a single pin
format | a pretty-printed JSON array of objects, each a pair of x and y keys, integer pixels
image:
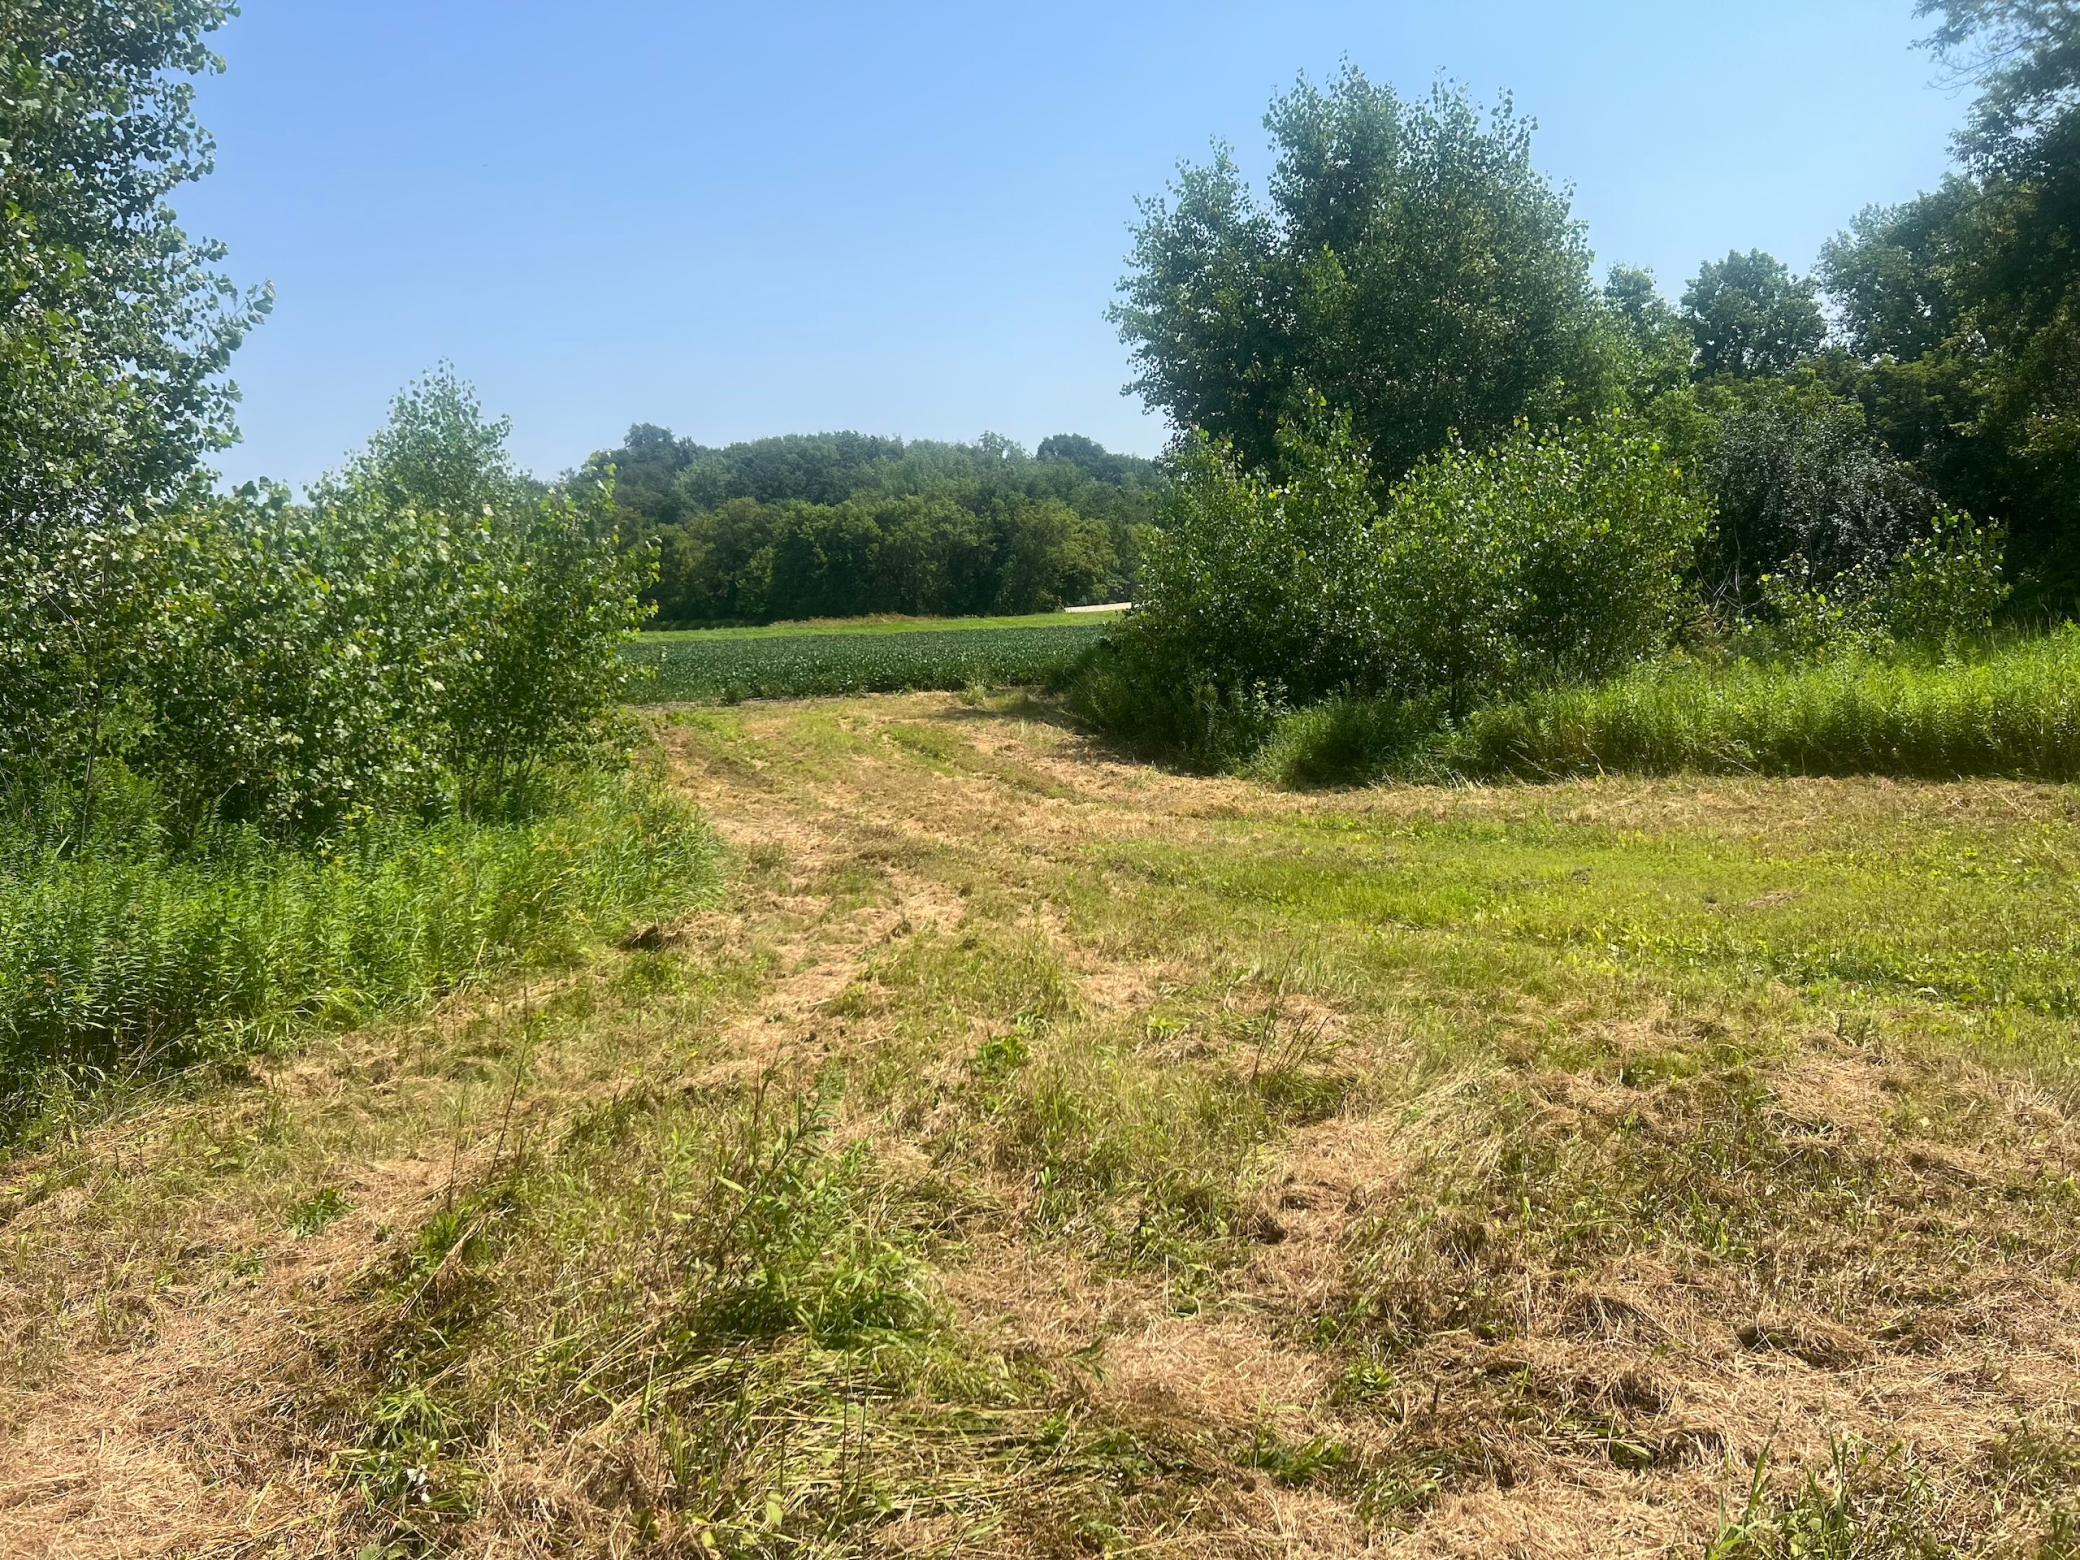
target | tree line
[
  {"x": 1430, "y": 458},
  {"x": 1415, "y": 270},
  {"x": 845, "y": 524}
]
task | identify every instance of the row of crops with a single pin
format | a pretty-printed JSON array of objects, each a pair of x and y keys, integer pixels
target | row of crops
[{"x": 705, "y": 668}]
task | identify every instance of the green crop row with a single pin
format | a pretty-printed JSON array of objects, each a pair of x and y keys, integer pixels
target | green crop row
[{"x": 703, "y": 670}]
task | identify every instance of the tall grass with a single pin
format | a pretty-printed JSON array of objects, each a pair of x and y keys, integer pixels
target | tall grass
[
  {"x": 2011, "y": 710},
  {"x": 134, "y": 956}
]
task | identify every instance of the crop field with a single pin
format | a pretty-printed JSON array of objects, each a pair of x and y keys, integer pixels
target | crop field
[
  {"x": 892, "y": 656},
  {"x": 1046, "y": 1155}
]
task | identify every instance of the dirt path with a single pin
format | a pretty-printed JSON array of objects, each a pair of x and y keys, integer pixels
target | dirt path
[{"x": 1351, "y": 1160}]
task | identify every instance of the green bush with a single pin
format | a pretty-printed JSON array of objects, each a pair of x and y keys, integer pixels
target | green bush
[
  {"x": 1794, "y": 472},
  {"x": 425, "y": 632},
  {"x": 1942, "y": 590},
  {"x": 1553, "y": 556}
]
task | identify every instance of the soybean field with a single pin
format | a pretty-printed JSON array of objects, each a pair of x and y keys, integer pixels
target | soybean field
[{"x": 903, "y": 655}]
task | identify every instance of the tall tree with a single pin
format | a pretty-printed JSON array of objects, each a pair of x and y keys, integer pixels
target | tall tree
[
  {"x": 115, "y": 326},
  {"x": 2024, "y": 56},
  {"x": 1411, "y": 266},
  {"x": 1657, "y": 333},
  {"x": 1749, "y": 316},
  {"x": 1962, "y": 306}
]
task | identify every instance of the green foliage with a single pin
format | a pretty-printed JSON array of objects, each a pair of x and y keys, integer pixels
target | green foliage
[
  {"x": 1551, "y": 556},
  {"x": 2012, "y": 711},
  {"x": 1942, "y": 591},
  {"x": 1962, "y": 306},
  {"x": 134, "y": 955},
  {"x": 1793, "y": 471},
  {"x": 115, "y": 326},
  {"x": 1947, "y": 586},
  {"x": 1412, "y": 266},
  {"x": 1750, "y": 316},
  {"x": 844, "y": 524},
  {"x": 1659, "y": 336},
  {"x": 710, "y": 667},
  {"x": 427, "y": 630}
]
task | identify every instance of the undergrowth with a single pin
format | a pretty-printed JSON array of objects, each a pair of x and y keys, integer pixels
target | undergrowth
[
  {"x": 135, "y": 957},
  {"x": 2011, "y": 711}
]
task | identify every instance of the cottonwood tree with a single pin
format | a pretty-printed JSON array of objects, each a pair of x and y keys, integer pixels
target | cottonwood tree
[
  {"x": 115, "y": 325},
  {"x": 115, "y": 328},
  {"x": 1411, "y": 266},
  {"x": 1748, "y": 315}
]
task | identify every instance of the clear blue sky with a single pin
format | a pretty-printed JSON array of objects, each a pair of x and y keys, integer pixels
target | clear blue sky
[{"x": 745, "y": 219}]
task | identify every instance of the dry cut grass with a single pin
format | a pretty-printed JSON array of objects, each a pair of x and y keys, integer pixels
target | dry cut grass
[{"x": 1048, "y": 1156}]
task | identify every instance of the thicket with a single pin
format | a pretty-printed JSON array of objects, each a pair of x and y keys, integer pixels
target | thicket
[
  {"x": 1529, "y": 484},
  {"x": 264, "y": 763},
  {"x": 387, "y": 649},
  {"x": 846, "y": 524},
  {"x": 268, "y": 765},
  {"x": 1555, "y": 554}
]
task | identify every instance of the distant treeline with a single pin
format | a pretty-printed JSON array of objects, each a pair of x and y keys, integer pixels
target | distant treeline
[{"x": 841, "y": 524}]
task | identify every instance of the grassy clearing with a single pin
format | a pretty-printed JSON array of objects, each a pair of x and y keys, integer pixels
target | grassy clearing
[
  {"x": 132, "y": 960},
  {"x": 1056, "y": 1157},
  {"x": 727, "y": 665},
  {"x": 2013, "y": 712}
]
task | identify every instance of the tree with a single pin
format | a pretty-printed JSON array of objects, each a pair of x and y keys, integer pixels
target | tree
[
  {"x": 115, "y": 326},
  {"x": 1962, "y": 306},
  {"x": 1412, "y": 267},
  {"x": 1794, "y": 473},
  {"x": 2024, "y": 55},
  {"x": 1749, "y": 316},
  {"x": 836, "y": 523},
  {"x": 1656, "y": 332},
  {"x": 438, "y": 453}
]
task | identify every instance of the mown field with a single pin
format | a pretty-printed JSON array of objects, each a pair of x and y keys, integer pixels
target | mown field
[
  {"x": 1049, "y": 1155},
  {"x": 859, "y": 656}
]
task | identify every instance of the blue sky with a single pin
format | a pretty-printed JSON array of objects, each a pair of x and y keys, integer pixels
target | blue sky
[{"x": 750, "y": 219}]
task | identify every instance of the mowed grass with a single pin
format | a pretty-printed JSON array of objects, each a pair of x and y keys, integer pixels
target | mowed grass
[{"x": 1050, "y": 1156}]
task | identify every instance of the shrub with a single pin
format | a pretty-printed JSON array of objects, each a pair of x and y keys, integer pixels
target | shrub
[
  {"x": 1552, "y": 556},
  {"x": 1943, "y": 589},
  {"x": 1946, "y": 585},
  {"x": 427, "y": 631},
  {"x": 1793, "y": 472}
]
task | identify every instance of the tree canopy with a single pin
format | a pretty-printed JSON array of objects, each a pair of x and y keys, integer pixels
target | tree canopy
[
  {"x": 838, "y": 524},
  {"x": 115, "y": 325},
  {"x": 1748, "y": 315},
  {"x": 1411, "y": 266}
]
